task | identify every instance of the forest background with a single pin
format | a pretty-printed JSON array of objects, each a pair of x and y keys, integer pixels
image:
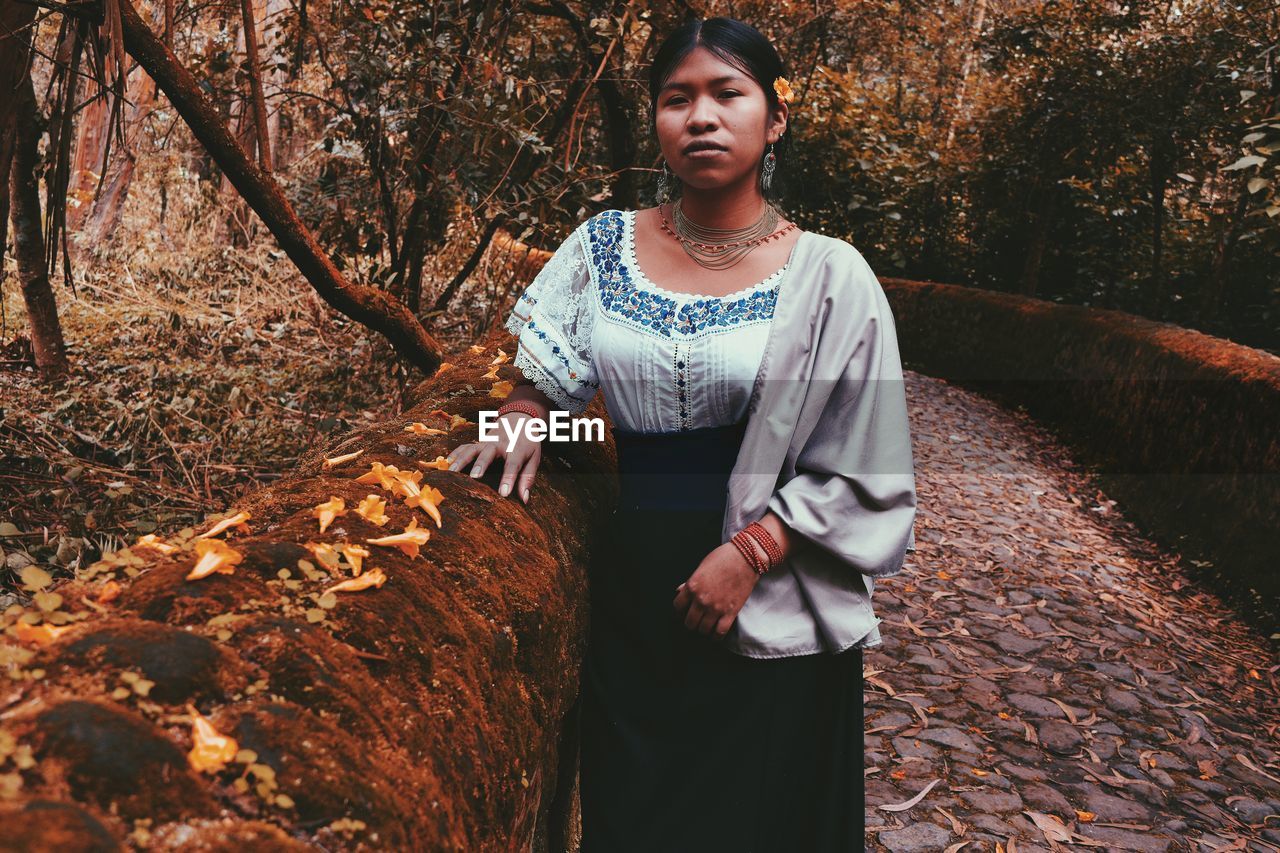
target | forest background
[{"x": 164, "y": 349}]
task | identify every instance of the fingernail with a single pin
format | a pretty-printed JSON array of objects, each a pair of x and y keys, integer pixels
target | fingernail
[
  {"x": 526, "y": 495},
  {"x": 503, "y": 489},
  {"x": 475, "y": 472}
]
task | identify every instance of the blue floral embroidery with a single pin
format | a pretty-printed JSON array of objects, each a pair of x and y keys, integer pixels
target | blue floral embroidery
[
  {"x": 555, "y": 349},
  {"x": 657, "y": 312}
]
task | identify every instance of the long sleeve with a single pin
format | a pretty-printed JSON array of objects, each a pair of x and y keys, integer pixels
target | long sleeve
[
  {"x": 553, "y": 321},
  {"x": 853, "y": 492}
]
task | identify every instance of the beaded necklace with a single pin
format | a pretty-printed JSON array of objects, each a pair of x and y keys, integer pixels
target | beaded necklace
[{"x": 721, "y": 248}]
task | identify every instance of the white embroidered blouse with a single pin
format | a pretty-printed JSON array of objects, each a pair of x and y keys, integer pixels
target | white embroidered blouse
[
  {"x": 667, "y": 361},
  {"x": 675, "y": 361}
]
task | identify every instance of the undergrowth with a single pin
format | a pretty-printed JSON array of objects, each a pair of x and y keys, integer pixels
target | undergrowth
[{"x": 195, "y": 377}]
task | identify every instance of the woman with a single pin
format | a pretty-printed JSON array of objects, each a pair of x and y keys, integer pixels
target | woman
[{"x": 722, "y": 686}]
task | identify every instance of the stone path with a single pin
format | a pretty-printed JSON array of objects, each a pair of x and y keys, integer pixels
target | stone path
[{"x": 1049, "y": 679}]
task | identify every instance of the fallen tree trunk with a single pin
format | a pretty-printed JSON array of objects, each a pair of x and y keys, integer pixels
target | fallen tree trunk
[{"x": 424, "y": 714}]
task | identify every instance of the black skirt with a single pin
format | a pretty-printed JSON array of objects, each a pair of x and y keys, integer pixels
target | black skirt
[{"x": 686, "y": 745}]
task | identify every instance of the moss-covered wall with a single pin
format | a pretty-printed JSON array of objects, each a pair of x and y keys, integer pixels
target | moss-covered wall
[{"x": 1182, "y": 426}]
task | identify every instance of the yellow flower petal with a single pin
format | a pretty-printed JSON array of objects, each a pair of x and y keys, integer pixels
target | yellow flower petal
[
  {"x": 408, "y": 541},
  {"x": 338, "y": 460},
  {"x": 329, "y": 510},
  {"x": 477, "y": 348},
  {"x": 458, "y": 422},
  {"x": 501, "y": 389},
  {"x": 372, "y": 509},
  {"x": 237, "y": 520},
  {"x": 214, "y": 555},
  {"x": 501, "y": 358},
  {"x": 491, "y": 373},
  {"x": 444, "y": 365},
  {"x": 212, "y": 749},
  {"x": 373, "y": 577},
  {"x": 439, "y": 463}
]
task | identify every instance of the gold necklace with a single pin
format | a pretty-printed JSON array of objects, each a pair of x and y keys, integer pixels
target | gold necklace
[{"x": 721, "y": 248}]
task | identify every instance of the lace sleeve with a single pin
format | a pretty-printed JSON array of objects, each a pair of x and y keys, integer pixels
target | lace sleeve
[{"x": 553, "y": 320}]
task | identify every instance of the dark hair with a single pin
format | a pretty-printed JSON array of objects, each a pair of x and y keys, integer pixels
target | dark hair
[{"x": 740, "y": 45}]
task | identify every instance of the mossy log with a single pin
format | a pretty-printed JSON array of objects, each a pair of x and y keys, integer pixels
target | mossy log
[{"x": 424, "y": 714}]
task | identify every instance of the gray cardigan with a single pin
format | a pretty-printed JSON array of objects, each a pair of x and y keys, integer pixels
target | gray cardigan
[{"x": 828, "y": 449}]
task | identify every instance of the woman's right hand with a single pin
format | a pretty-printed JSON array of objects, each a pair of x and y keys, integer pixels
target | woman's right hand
[{"x": 520, "y": 464}]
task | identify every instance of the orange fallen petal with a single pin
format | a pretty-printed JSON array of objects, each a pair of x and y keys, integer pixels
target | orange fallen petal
[
  {"x": 237, "y": 520},
  {"x": 491, "y": 373},
  {"x": 444, "y": 365},
  {"x": 355, "y": 555},
  {"x": 110, "y": 591},
  {"x": 214, "y": 556},
  {"x": 440, "y": 413},
  {"x": 419, "y": 428},
  {"x": 373, "y": 577},
  {"x": 429, "y": 500},
  {"x": 501, "y": 389},
  {"x": 439, "y": 463},
  {"x": 212, "y": 749},
  {"x": 500, "y": 358},
  {"x": 328, "y": 511},
  {"x": 153, "y": 541},
  {"x": 381, "y": 474},
  {"x": 338, "y": 460},
  {"x": 41, "y": 634},
  {"x": 408, "y": 541},
  {"x": 476, "y": 348},
  {"x": 325, "y": 554},
  {"x": 373, "y": 510},
  {"x": 458, "y": 422}
]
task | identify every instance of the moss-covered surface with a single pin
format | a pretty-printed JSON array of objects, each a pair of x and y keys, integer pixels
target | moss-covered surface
[
  {"x": 1180, "y": 425},
  {"x": 423, "y": 714}
]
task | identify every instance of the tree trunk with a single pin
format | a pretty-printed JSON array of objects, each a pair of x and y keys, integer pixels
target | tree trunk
[
  {"x": 1042, "y": 219},
  {"x": 28, "y": 238},
  {"x": 14, "y": 48},
  {"x": 365, "y": 305},
  {"x": 1161, "y": 168},
  {"x": 97, "y": 218},
  {"x": 256, "y": 98},
  {"x": 430, "y": 709},
  {"x": 957, "y": 112}
]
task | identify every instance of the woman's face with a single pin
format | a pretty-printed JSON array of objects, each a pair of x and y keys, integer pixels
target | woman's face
[{"x": 708, "y": 101}]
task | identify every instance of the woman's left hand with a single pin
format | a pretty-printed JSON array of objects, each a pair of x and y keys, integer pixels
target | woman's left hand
[{"x": 710, "y": 599}]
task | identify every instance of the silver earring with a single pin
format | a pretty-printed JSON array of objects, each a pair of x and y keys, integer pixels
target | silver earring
[
  {"x": 766, "y": 174},
  {"x": 664, "y": 184}
]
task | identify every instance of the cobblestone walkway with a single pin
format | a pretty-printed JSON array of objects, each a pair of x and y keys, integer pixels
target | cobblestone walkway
[{"x": 1049, "y": 679}]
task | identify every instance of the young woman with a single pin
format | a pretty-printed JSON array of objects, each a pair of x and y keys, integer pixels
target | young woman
[{"x": 752, "y": 376}]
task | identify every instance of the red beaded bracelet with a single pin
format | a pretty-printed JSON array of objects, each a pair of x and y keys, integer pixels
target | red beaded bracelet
[
  {"x": 526, "y": 406},
  {"x": 757, "y": 531},
  {"x": 743, "y": 543}
]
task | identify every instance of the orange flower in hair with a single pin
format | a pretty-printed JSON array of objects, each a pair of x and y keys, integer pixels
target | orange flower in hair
[{"x": 783, "y": 90}]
